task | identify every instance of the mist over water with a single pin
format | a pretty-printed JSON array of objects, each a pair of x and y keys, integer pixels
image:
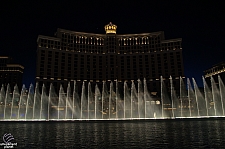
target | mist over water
[{"x": 132, "y": 101}]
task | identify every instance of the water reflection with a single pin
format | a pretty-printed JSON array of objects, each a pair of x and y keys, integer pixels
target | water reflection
[{"x": 160, "y": 134}]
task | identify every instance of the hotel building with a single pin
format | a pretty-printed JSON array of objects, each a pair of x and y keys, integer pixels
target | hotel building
[
  {"x": 80, "y": 56},
  {"x": 10, "y": 72}
]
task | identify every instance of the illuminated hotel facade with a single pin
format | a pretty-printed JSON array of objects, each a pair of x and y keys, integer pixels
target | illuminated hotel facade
[
  {"x": 10, "y": 72},
  {"x": 108, "y": 57}
]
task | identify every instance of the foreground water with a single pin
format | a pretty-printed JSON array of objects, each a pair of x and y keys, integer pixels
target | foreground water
[{"x": 136, "y": 134}]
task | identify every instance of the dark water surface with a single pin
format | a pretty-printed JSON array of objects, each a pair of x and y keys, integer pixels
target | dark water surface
[{"x": 136, "y": 134}]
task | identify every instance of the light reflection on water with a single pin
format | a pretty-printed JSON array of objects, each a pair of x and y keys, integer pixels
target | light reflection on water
[{"x": 153, "y": 134}]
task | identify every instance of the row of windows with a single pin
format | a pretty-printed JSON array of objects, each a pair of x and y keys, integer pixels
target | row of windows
[
  {"x": 121, "y": 50},
  {"x": 109, "y": 77},
  {"x": 99, "y": 62},
  {"x": 74, "y": 38},
  {"x": 112, "y": 63},
  {"x": 70, "y": 65},
  {"x": 138, "y": 41},
  {"x": 134, "y": 43},
  {"x": 55, "y": 54},
  {"x": 71, "y": 38},
  {"x": 65, "y": 70}
]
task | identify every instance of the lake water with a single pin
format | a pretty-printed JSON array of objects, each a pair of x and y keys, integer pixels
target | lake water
[{"x": 132, "y": 134}]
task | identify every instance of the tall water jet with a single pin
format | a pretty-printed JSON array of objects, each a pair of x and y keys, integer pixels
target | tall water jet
[
  {"x": 49, "y": 99},
  {"x": 146, "y": 96},
  {"x": 181, "y": 99},
  {"x": 90, "y": 108},
  {"x": 189, "y": 96},
  {"x": 127, "y": 101},
  {"x": 196, "y": 95},
  {"x": 36, "y": 104},
  {"x": 131, "y": 99},
  {"x": 209, "y": 99},
  {"x": 184, "y": 102},
  {"x": 97, "y": 100},
  {"x": 53, "y": 101},
  {"x": 15, "y": 100},
  {"x": 29, "y": 102},
  {"x": 21, "y": 100},
  {"x": 105, "y": 100},
  {"x": 12, "y": 102},
  {"x": 88, "y": 103},
  {"x": 171, "y": 94},
  {"x": 150, "y": 108},
  {"x": 166, "y": 103},
  {"x": 213, "y": 85},
  {"x": 161, "y": 81},
  {"x": 174, "y": 99},
  {"x": 43, "y": 102},
  {"x": 76, "y": 103},
  {"x": 142, "y": 100},
  {"x": 117, "y": 97},
  {"x": 68, "y": 101},
  {"x": 216, "y": 97},
  {"x": 60, "y": 97},
  {"x": 110, "y": 99},
  {"x": 206, "y": 96},
  {"x": 73, "y": 99},
  {"x": 2, "y": 101},
  {"x": 82, "y": 100},
  {"x": 201, "y": 100},
  {"x": 222, "y": 96},
  {"x": 181, "y": 96},
  {"x": 7, "y": 100},
  {"x": 61, "y": 103},
  {"x": 103, "y": 89},
  {"x": 192, "y": 100},
  {"x": 135, "y": 101},
  {"x": 2, "y": 95},
  {"x": 124, "y": 100}
]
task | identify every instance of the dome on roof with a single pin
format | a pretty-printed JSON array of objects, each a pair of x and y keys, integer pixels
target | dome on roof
[{"x": 110, "y": 28}]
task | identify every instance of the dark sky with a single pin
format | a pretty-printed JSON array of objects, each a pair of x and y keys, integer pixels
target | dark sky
[{"x": 200, "y": 24}]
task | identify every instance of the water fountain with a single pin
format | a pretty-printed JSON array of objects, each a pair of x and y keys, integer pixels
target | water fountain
[{"x": 134, "y": 103}]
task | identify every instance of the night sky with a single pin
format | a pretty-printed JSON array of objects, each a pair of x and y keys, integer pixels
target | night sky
[{"x": 200, "y": 24}]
